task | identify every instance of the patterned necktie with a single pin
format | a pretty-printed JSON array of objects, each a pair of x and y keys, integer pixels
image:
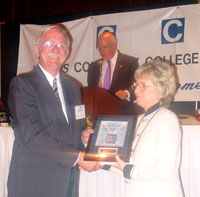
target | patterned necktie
[
  {"x": 107, "y": 78},
  {"x": 55, "y": 88}
]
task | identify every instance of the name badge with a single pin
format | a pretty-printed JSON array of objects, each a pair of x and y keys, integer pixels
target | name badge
[{"x": 80, "y": 111}]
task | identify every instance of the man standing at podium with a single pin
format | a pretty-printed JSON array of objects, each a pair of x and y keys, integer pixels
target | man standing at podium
[{"x": 114, "y": 72}]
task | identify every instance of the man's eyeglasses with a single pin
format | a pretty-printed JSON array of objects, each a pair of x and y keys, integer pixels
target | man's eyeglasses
[
  {"x": 141, "y": 86},
  {"x": 49, "y": 44},
  {"x": 103, "y": 48}
]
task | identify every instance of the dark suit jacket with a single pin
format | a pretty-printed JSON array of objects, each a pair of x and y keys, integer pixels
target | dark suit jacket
[
  {"x": 123, "y": 79},
  {"x": 46, "y": 146}
]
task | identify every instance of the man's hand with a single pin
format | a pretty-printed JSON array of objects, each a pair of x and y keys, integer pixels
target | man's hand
[
  {"x": 86, "y": 134},
  {"x": 121, "y": 94},
  {"x": 88, "y": 165}
]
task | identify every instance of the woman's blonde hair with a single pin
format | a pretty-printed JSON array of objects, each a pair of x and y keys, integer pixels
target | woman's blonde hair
[{"x": 161, "y": 74}]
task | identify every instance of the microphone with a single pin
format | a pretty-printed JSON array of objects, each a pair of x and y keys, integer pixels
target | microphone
[{"x": 100, "y": 64}]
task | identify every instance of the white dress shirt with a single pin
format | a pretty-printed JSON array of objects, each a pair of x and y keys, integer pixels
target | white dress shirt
[{"x": 50, "y": 79}]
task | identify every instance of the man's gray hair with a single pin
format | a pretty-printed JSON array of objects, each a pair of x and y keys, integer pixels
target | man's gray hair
[{"x": 60, "y": 27}]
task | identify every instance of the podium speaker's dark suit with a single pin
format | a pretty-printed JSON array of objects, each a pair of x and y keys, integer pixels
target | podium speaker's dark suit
[
  {"x": 46, "y": 146},
  {"x": 123, "y": 79}
]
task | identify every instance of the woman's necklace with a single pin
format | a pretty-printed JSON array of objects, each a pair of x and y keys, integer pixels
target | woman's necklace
[{"x": 140, "y": 134}]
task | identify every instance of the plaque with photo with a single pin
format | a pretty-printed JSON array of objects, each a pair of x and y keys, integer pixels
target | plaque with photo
[{"x": 112, "y": 135}]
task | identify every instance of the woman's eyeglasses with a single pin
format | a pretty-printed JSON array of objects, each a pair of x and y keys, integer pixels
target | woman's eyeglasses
[{"x": 141, "y": 86}]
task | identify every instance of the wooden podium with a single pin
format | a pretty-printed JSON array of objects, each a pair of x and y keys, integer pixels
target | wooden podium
[{"x": 99, "y": 101}]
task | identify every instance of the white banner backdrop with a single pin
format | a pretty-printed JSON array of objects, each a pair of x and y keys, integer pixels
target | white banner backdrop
[{"x": 168, "y": 33}]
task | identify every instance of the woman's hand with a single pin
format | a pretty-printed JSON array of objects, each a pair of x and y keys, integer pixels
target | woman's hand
[{"x": 120, "y": 163}]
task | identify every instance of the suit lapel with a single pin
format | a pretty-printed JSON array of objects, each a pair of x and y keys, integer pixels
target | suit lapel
[
  {"x": 116, "y": 72},
  {"x": 68, "y": 96},
  {"x": 45, "y": 90}
]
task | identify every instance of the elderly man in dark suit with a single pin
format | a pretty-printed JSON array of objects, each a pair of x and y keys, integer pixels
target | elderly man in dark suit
[
  {"x": 48, "y": 120},
  {"x": 119, "y": 69},
  {"x": 115, "y": 72}
]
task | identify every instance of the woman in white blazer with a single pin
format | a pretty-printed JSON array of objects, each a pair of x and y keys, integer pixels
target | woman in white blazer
[{"x": 153, "y": 169}]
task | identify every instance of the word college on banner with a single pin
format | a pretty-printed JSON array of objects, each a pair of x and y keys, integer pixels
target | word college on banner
[{"x": 169, "y": 34}]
